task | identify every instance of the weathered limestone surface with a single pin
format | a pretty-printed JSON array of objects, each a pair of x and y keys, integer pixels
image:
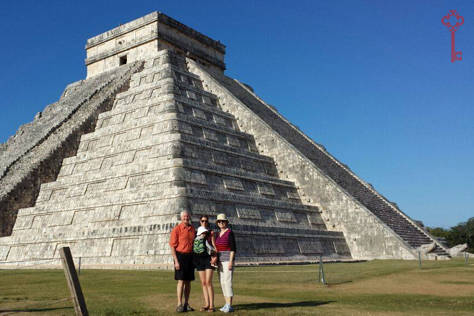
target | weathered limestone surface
[
  {"x": 457, "y": 250},
  {"x": 347, "y": 203},
  {"x": 34, "y": 154},
  {"x": 165, "y": 146}
]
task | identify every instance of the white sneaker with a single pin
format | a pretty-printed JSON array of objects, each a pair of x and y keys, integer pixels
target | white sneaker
[{"x": 224, "y": 308}]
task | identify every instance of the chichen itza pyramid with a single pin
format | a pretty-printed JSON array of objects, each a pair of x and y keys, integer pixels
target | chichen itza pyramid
[{"x": 157, "y": 127}]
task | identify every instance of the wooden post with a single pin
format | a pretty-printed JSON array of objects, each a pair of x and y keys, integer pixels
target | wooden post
[
  {"x": 321, "y": 276},
  {"x": 73, "y": 282}
]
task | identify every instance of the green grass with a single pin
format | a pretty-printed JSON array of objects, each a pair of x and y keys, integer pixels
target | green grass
[{"x": 378, "y": 287}]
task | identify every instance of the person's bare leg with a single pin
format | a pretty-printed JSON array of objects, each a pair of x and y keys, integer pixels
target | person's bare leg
[
  {"x": 179, "y": 291},
  {"x": 187, "y": 291},
  {"x": 209, "y": 287},
  {"x": 202, "y": 276}
]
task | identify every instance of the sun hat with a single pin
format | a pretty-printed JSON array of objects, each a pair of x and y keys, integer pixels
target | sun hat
[
  {"x": 222, "y": 217},
  {"x": 201, "y": 230}
]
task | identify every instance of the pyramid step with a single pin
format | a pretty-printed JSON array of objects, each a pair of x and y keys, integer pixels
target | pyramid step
[
  {"x": 120, "y": 171},
  {"x": 235, "y": 172},
  {"x": 130, "y": 126},
  {"x": 93, "y": 150},
  {"x": 140, "y": 166},
  {"x": 157, "y": 106},
  {"x": 169, "y": 122},
  {"x": 261, "y": 201},
  {"x": 106, "y": 146},
  {"x": 164, "y": 80}
]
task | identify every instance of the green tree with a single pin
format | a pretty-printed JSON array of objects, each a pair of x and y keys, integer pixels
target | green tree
[
  {"x": 464, "y": 233},
  {"x": 460, "y": 234},
  {"x": 438, "y": 232}
]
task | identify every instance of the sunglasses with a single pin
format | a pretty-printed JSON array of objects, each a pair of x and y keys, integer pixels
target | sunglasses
[
  {"x": 204, "y": 221},
  {"x": 220, "y": 222}
]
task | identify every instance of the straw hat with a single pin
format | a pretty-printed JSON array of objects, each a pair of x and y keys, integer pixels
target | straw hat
[
  {"x": 221, "y": 217},
  {"x": 201, "y": 230}
]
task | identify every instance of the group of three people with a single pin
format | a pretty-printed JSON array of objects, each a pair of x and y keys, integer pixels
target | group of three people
[{"x": 204, "y": 250}]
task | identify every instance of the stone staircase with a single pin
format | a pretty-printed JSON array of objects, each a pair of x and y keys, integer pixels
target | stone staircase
[{"x": 405, "y": 228}]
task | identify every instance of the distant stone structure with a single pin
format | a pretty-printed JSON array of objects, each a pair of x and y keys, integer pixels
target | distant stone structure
[
  {"x": 457, "y": 250},
  {"x": 156, "y": 128}
]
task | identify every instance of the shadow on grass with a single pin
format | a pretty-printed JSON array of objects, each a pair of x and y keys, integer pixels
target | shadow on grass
[
  {"x": 24, "y": 310},
  {"x": 253, "y": 306},
  {"x": 337, "y": 283}
]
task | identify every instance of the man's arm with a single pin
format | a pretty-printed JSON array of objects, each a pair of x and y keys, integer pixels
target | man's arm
[
  {"x": 175, "y": 258},
  {"x": 173, "y": 245}
]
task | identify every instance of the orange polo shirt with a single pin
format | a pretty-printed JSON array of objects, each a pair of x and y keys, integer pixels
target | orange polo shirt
[{"x": 182, "y": 238}]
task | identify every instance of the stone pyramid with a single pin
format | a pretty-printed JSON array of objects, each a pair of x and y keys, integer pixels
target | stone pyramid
[{"x": 157, "y": 128}]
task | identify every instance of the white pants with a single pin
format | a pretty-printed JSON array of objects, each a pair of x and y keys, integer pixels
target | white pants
[{"x": 225, "y": 278}]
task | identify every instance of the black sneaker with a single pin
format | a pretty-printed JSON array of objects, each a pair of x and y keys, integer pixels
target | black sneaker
[
  {"x": 180, "y": 309},
  {"x": 188, "y": 308}
]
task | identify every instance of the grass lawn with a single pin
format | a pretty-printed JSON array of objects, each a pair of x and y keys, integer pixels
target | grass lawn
[{"x": 380, "y": 287}]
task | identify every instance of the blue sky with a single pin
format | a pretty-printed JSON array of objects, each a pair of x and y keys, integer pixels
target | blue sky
[{"x": 370, "y": 80}]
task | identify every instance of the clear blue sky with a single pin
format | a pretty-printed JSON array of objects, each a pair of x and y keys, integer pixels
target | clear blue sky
[{"x": 371, "y": 80}]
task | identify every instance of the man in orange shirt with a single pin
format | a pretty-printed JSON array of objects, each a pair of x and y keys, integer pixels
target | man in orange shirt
[{"x": 181, "y": 243}]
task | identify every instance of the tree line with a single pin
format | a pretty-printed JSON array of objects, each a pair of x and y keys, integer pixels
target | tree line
[{"x": 460, "y": 234}]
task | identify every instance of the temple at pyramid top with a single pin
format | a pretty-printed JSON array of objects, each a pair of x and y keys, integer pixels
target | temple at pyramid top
[{"x": 143, "y": 37}]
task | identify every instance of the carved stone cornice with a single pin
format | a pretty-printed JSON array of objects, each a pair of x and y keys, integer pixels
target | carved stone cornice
[
  {"x": 157, "y": 35},
  {"x": 151, "y": 18}
]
